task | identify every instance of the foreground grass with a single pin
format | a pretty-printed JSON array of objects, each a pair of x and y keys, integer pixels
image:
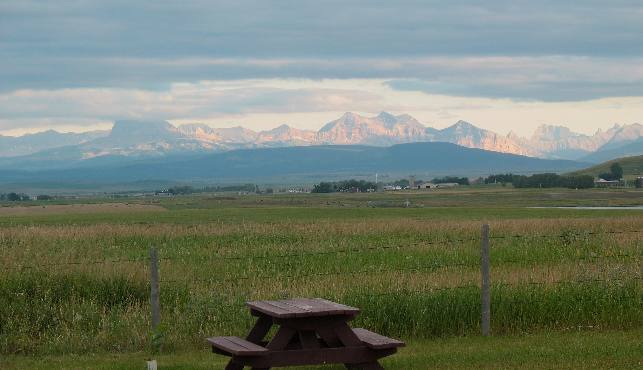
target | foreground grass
[
  {"x": 72, "y": 284},
  {"x": 569, "y": 350}
]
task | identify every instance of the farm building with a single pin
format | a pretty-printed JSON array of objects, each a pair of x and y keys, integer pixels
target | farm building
[
  {"x": 430, "y": 185},
  {"x": 447, "y": 185},
  {"x": 392, "y": 188},
  {"x": 427, "y": 185},
  {"x": 602, "y": 183}
]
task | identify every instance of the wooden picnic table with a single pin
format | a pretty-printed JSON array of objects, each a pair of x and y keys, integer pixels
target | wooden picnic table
[{"x": 309, "y": 332}]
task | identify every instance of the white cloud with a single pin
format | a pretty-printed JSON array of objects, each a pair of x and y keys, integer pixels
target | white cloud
[{"x": 304, "y": 103}]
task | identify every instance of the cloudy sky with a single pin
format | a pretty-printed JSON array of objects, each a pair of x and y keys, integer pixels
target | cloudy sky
[{"x": 77, "y": 65}]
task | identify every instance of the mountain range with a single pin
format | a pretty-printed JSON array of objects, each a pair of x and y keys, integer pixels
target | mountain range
[
  {"x": 286, "y": 165},
  {"x": 132, "y": 140}
]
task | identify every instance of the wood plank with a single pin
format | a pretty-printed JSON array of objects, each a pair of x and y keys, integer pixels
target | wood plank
[
  {"x": 237, "y": 346},
  {"x": 377, "y": 341},
  {"x": 293, "y": 310},
  {"x": 301, "y": 307},
  {"x": 324, "y": 306},
  {"x": 268, "y": 309}
]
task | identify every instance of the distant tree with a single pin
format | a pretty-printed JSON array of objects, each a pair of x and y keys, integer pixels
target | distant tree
[
  {"x": 552, "y": 180},
  {"x": 343, "y": 186},
  {"x": 15, "y": 197},
  {"x": 44, "y": 197},
  {"x": 499, "y": 178},
  {"x": 352, "y": 184},
  {"x": 402, "y": 183},
  {"x": 176, "y": 190},
  {"x": 323, "y": 187},
  {"x": 579, "y": 182},
  {"x": 244, "y": 187},
  {"x": 617, "y": 171}
]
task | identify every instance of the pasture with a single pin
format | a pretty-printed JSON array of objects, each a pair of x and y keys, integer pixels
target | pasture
[{"x": 75, "y": 285}]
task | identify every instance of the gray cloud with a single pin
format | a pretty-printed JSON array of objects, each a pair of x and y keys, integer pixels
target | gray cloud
[
  {"x": 88, "y": 106},
  {"x": 151, "y": 44}
]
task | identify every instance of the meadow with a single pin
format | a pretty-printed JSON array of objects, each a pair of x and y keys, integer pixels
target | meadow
[{"x": 75, "y": 285}]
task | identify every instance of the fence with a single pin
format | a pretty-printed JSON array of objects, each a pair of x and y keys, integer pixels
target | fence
[{"x": 281, "y": 267}]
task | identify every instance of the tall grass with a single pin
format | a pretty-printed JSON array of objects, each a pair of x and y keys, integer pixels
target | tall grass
[{"x": 411, "y": 278}]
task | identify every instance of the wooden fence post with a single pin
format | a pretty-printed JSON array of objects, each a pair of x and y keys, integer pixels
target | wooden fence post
[
  {"x": 486, "y": 289},
  {"x": 154, "y": 286}
]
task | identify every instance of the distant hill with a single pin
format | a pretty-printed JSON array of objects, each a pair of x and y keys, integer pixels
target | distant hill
[
  {"x": 632, "y": 167},
  {"x": 302, "y": 164},
  {"x": 33, "y": 143},
  {"x": 633, "y": 148}
]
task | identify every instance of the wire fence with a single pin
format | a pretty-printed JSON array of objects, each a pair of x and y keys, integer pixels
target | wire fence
[{"x": 280, "y": 266}]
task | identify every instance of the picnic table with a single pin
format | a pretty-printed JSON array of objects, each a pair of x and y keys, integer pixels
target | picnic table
[{"x": 309, "y": 332}]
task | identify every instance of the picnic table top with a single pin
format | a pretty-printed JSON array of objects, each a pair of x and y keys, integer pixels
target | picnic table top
[{"x": 301, "y": 307}]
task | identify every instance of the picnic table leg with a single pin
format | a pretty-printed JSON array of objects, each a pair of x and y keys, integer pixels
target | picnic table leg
[
  {"x": 346, "y": 335},
  {"x": 282, "y": 338},
  {"x": 233, "y": 365},
  {"x": 348, "y": 338},
  {"x": 259, "y": 331}
]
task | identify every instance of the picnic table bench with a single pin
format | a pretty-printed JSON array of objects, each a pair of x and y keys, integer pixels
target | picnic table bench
[{"x": 310, "y": 332}]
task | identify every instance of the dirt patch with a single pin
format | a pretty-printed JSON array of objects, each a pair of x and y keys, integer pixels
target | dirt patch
[{"x": 79, "y": 208}]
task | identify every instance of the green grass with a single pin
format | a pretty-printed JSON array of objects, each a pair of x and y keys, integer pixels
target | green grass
[
  {"x": 413, "y": 271},
  {"x": 570, "y": 350},
  {"x": 632, "y": 167}
]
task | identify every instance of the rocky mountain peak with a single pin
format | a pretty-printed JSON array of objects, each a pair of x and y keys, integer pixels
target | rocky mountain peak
[
  {"x": 387, "y": 118},
  {"x": 131, "y": 137}
]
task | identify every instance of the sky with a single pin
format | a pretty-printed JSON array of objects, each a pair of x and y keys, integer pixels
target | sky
[{"x": 78, "y": 65}]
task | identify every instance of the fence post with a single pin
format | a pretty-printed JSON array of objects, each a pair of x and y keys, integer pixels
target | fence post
[
  {"x": 486, "y": 289},
  {"x": 154, "y": 286}
]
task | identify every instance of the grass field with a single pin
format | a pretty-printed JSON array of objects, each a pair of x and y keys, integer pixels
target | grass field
[
  {"x": 75, "y": 289},
  {"x": 632, "y": 167},
  {"x": 567, "y": 350}
]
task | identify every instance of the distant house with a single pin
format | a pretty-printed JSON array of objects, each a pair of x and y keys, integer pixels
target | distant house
[
  {"x": 602, "y": 183},
  {"x": 447, "y": 185},
  {"x": 427, "y": 185},
  {"x": 639, "y": 182},
  {"x": 392, "y": 188},
  {"x": 430, "y": 185}
]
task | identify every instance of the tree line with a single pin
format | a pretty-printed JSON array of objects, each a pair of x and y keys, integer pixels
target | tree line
[
  {"x": 344, "y": 186},
  {"x": 543, "y": 180},
  {"x": 21, "y": 197},
  {"x": 187, "y": 189},
  {"x": 552, "y": 180},
  {"x": 14, "y": 197}
]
